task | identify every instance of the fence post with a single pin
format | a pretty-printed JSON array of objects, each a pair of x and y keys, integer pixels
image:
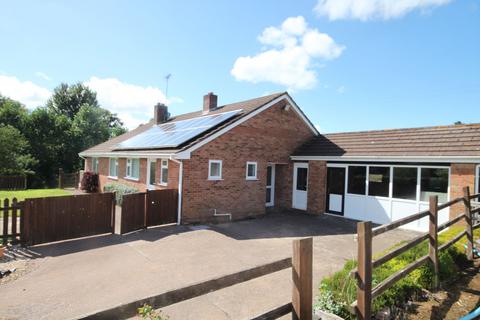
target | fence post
[
  {"x": 433, "y": 238},
  {"x": 5, "y": 221},
  {"x": 364, "y": 291},
  {"x": 302, "y": 279},
  {"x": 468, "y": 222},
  {"x": 60, "y": 178}
]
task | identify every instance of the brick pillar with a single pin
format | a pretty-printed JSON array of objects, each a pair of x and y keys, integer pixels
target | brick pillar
[
  {"x": 317, "y": 184},
  {"x": 461, "y": 175}
]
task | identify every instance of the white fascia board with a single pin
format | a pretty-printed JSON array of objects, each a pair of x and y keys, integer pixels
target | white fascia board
[
  {"x": 127, "y": 154},
  {"x": 437, "y": 159},
  {"x": 187, "y": 153}
]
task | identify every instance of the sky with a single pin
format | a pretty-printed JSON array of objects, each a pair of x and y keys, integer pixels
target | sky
[{"x": 349, "y": 64}]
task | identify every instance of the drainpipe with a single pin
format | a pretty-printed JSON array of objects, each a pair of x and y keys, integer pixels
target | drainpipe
[{"x": 180, "y": 187}]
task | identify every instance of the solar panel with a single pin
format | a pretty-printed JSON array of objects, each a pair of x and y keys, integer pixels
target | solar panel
[{"x": 173, "y": 134}]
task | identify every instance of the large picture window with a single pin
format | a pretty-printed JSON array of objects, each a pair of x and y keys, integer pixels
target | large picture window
[
  {"x": 434, "y": 182},
  {"x": 405, "y": 183},
  {"x": 356, "y": 179},
  {"x": 378, "y": 181}
]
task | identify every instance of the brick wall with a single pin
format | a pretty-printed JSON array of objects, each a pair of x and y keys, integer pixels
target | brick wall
[
  {"x": 317, "y": 185},
  {"x": 461, "y": 175},
  {"x": 140, "y": 184},
  {"x": 269, "y": 137}
]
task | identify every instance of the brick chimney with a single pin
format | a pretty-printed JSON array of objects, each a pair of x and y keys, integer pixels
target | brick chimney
[
  {"x": 209, "y": 102},
  {"x": 160, "y": 113}
]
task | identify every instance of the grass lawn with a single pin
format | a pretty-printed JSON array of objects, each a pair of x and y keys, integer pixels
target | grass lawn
[{"x": 33, "y": 193}]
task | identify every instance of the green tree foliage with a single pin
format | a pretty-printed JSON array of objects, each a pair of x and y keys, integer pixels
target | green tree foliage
[
  {"x": 14, "y": 152},
  {"x": 71, "y": 121},
  {"x": 68, "y": 99}
]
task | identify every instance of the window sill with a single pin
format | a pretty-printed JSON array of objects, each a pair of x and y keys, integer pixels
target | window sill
[
  {"x": 162, "y": 184},
  {"x": 214, "y": 179},
  {"x": 112, "y": 178},
  {"x": 131, "y": 178},
  {"x": 251, "y": 179}
]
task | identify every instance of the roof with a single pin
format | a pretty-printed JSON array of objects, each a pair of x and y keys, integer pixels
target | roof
[
  {"x": 247, "y": 107},
  {"x": 440, "y": 141}
]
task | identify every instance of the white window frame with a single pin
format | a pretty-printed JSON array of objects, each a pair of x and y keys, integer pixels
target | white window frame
[
  {"x": 129, "y": 167},
  {"x": 210, "y": 177},
  {"x": 477, "y": 178},
  {"x": 251, "y": 163},
  {"x": 162, "y": 166},
  {"x": 110, "y": 168},
  {"x": 95, "y": 163}
]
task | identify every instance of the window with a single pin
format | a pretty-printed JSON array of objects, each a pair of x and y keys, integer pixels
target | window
[
  {"x": 215, "y": 170},
  {"x": 302, "y": 179},
  {"x": 113, "y": 167},
  {"x": 251, "y": 171},
  {"x": 164, "y": 172},
  {"x": 434, "y": 182},
  {"x": 405, "y": 183},
  {"x": 133, "y": 168},
  {"x": 378, "y": 181},
  {"x": 152, "y": 171},
  {"x": 356, "y": 180},
  {"x": 95, "y": 165}
]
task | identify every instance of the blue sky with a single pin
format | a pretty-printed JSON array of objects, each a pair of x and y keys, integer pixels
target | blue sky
[{"x": 350, "y": 65}]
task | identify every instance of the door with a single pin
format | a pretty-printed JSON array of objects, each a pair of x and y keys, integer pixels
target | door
[
  {"x": 335, "y": 190},
  {"x": 270, "y": 195},
  {"x": 151, "y": 173},
  {"x": 300, "y": 182}
]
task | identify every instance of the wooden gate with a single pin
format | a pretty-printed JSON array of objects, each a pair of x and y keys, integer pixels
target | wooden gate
[
  {"x": 147, "y": 209},
  {"x": 133, "y": 212},
  {"x": 67, "y": 217},
  {"x": 162, "y": 207}
]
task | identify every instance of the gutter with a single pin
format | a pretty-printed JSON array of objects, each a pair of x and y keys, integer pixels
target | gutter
[
  {"x": 180, "y": 189},
  {"x": 430, "y": 159}
]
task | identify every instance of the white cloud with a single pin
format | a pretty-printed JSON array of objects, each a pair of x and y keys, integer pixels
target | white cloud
[
  {"x": 42, "y": 75},
  {"x": 317, "y": 126},
  {"x": 26, "y": 92},
  {"x": 290, "y": 61},
  {"x": 372, "y": 9},
  {"x": 341, "y": 89},
  {"x": 132, "y": 103}
]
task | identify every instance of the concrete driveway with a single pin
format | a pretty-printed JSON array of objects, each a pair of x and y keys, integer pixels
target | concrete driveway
[{"x": 78, "y": 277}]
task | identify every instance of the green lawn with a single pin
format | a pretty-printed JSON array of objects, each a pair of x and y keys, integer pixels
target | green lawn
[{"x": 33, "y": 193}]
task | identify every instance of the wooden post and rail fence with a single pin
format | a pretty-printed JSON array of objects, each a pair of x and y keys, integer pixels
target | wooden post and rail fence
[{"x": 362, "y": 307}]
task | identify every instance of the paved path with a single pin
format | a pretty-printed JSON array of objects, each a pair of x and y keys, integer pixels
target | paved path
[{"x": 79, "y": 277}]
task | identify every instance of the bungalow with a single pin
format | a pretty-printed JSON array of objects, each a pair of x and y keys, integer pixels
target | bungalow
[{"x": 245, "y": 158}]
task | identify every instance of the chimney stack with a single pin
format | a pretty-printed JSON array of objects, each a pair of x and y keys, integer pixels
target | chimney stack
[
  {"x": 209, "y": 102},
  {"x": 160, "y": 113}
]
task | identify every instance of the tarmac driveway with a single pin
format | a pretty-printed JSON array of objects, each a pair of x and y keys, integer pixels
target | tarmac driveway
[{"x": 78, "y": 277}]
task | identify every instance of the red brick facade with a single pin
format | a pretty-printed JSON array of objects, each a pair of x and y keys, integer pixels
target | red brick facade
[
  {"x": 317, "y": 184},
  {"x": 141, "y": 183},
  {"x": 269, "y": 137},
  {"x": 461, "y": 175}
]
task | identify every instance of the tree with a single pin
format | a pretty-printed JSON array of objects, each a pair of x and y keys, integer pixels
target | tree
[
  {"x": 12, "y": 113},
  {"x": 51, "y": 143},
  {"x": 68, "y": 99},
  {"x": 91, "y": 126},
  {"x": 14, "y": 156}
]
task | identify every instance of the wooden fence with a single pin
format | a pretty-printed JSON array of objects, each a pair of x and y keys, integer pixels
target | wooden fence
[
  {"x": 363, "y": 274},
  {"x": 10, "y": 212},
  {"x": 13, "y": 182},
  {"x": 300, "y": 307},
  {"x": 68, "y": 180},
  {"x": 146, "y": 209},
  {"x": 67, "y": 217}
]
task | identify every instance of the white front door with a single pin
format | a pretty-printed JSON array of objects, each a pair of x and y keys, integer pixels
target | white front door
[
  {"x": 300, "y": 186},
  {"x": 151, "y": 173},
  {"x": 270, "y": 195}
]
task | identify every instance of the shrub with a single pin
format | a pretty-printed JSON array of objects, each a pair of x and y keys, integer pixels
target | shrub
[
  {"x": 338, "y": 291},
  {"x": 120, "y": 190},
  {"x": 90, "y": 182},
  {"x": 147, "y": 312}
]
